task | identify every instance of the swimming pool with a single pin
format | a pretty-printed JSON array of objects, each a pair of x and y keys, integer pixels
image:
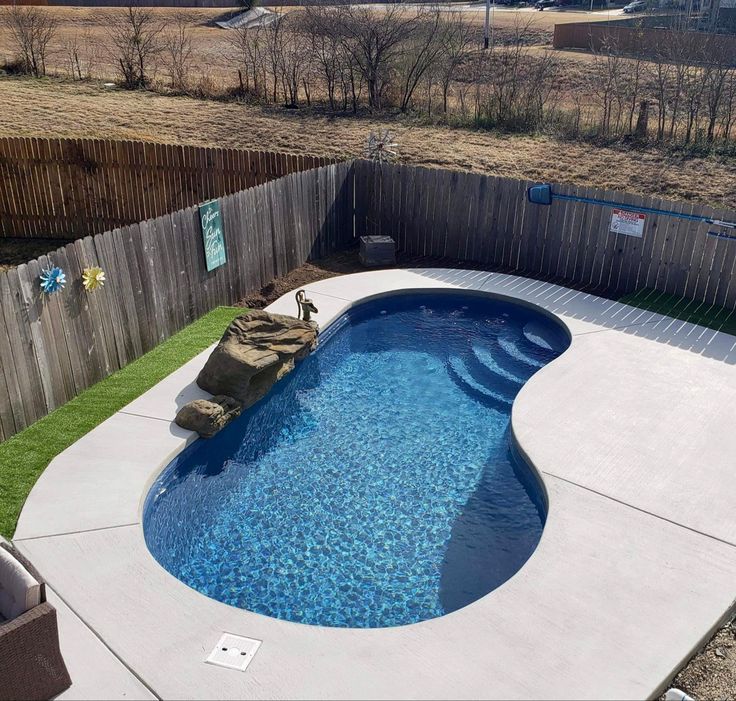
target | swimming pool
[{"x": 376, "y": 484}]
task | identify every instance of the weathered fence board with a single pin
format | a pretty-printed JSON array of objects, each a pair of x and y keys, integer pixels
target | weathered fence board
[
  {"x": 487, "y": 219},
  {"x": 52, "y": 347},
  {"x": 70, "y": 188}
]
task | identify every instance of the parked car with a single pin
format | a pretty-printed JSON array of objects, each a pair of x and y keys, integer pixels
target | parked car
[
  {"x": 636, "y": 6},
  {"x": 543, "y": 4}
]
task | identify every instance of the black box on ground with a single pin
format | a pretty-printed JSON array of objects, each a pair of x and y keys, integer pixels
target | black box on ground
[{"x": 377, "y": 250}]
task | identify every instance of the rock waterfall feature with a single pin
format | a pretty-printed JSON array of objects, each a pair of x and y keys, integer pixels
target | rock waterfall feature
[{"x": 256, "y": 351}]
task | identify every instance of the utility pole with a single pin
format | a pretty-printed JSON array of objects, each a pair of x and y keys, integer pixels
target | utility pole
[{"x": 486, "y": 34}]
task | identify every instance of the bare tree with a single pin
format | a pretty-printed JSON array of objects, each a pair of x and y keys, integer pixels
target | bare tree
[
  {"x": 177, "y": 42},
  {"x": 456, "y": 41},
  {"x": 661, "y": 77},
  {"x": 374, "y": 40},
  {"x": 607, "y": 72},
  {"x": 420, "y": 51},
  {"x": 326, "y": 47},
  {"x": 411, "y": 58},
  {"x": 73, "y": 47},
  {"x": 294, "y": 61},
  {"x": 716, "y": 85},
  {"x": 248, "y": 50},
  {"x": 728, "y": 106},
  {"x": 351, "y": 80},
  {"x": 541, "y": 92},
  {"x": 31, "y": 31},
  {"x": 516, "y": 82},
  {"x": 693, "y": 88},
  {"x": 82, "y": 54},
  {"x": 135, "y": 35},
  {"x": 274, "y": 39},
  {"x": 679, "y": 51},
  {"x": 633, "y": 83}
]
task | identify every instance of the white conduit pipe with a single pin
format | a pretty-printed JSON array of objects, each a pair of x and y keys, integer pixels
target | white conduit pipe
[{"x": 677, "y": 695}]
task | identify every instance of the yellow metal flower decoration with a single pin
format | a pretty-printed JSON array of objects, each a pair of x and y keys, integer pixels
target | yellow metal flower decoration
[{"x": 92, "y": 278}]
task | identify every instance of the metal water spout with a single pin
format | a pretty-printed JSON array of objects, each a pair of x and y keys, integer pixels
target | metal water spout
[{"x": 306, "y": 306}]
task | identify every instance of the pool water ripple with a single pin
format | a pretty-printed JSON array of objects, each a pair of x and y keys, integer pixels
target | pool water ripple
[{"x": 374, "y": 486}]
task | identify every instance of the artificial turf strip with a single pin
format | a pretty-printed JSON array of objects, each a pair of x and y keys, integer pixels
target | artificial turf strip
[
  {"x": 24, "y": 456},
  {"x": 718, "y": 318}
]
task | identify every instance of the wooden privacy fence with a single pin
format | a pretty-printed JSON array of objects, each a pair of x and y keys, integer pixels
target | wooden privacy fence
[
  {"x": 68, "y": 188},
  {"x": 487, "y": 219},
  {"x": 52, "y": 347},
  {"x": 644, "y": 41}
]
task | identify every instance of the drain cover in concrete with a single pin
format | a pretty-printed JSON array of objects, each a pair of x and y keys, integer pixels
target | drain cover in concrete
[{"x": 234, "y": 651}]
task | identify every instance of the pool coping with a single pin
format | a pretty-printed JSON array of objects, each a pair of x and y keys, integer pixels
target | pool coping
[{"x": 634, "y": 536}]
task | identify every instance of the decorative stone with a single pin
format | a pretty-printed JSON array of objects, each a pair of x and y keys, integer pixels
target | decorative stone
[
  {"x": 256, "y": 351},
  {"x": 377, "y": 250},
  {"x": 208, "y": 416}
]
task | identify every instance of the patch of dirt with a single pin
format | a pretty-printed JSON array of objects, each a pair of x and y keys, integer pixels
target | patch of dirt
[
  {"x": 337, "y": 264},
  {"x": 14, "y": 251},
  {"x": 711, "y": 674},
  {"x": 347, "y": 262}
]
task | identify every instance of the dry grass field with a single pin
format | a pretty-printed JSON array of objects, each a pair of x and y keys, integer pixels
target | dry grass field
[
  {"x": 211, "y": 56},
  {"x": 64, "y": 108}
]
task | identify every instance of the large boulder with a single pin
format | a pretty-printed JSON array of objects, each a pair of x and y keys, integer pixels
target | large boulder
[
  {"x": 208, "y": 416},
  {"x": 256, "y": 351}
]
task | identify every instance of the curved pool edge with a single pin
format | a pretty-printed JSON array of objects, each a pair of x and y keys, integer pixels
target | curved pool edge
[
  {"x": 567, "y": 605},
  {"x": 484, "y": 306}
]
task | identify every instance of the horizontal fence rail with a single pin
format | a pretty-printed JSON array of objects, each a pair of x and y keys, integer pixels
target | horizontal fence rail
[
  {"x": 70, "y": 188},
  {"x": 488, "y": 220},
  {"x": 54, "y": 346}
]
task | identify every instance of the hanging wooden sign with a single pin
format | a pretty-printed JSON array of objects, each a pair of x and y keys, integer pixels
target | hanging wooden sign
[{"x": 212, "y": 234}]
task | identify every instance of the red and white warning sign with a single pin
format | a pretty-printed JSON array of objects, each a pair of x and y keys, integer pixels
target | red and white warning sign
[{"x": 627, "y": 223}]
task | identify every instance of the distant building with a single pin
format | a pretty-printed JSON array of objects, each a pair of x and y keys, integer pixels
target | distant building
[{"x": 722, "y": 14}]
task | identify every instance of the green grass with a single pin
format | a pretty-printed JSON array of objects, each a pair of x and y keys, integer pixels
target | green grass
[
  {"x": 25, "y": 456},
  {"x": 713, "y": 317}
]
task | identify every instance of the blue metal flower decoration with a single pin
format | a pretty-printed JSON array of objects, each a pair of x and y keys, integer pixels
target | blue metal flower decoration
[{"x": 52, "y": 279}]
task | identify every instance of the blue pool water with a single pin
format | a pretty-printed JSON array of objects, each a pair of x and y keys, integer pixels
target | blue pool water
[{"x": 375, "y": 485}]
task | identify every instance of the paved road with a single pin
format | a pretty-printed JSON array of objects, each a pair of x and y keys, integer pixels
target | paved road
[{"x": 551, "y": 16}]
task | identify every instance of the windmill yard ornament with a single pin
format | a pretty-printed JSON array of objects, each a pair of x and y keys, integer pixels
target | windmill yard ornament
[
  {"x": 92, "y": 278},
  {"x": 52, "y": 279},
  {"x": 381, "y": 147}
]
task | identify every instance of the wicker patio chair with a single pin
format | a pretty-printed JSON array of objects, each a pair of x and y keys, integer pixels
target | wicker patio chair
[{"x": 31, "y": 665}]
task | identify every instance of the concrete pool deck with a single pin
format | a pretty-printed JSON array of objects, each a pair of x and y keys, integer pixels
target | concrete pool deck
[{"x": 629, "y": 430}]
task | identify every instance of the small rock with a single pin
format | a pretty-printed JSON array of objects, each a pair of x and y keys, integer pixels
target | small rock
[
  {"x": 720, "y": 652},
  {"x": 208, "y": 416}
]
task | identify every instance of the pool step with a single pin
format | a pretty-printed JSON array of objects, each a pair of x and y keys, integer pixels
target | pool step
[
  {"x": 543, "y": 336},
  {"x": 525, "y": 351},
  {"x": 498, "y": 357},
  {"x": 460, "y": 375},
  {"x": 483, "y": 369}
]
